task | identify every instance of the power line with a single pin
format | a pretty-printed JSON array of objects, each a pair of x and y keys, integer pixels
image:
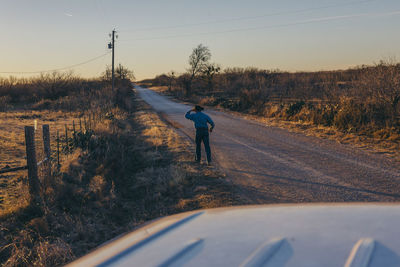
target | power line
[
  {"x": 246, "y": 18},
  {"x": 309, "y": 21},
  {"x": 63, "y": 68}
]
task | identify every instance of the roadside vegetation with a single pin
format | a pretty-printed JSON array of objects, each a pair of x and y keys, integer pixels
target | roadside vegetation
[
  {"x": 360, "y": 102},
  {"x": 129, "y": 168}
]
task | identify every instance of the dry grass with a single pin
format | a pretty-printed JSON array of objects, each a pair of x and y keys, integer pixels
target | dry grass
[
  {"x": 156, "y": 128},
  {"x": 50, "y": 251},
  {"x": 13, "y": 187},
  {"x": 135, "y": 168},
  {"x": 378, "y": 145},
  {"x": 160, "y": 89},
  {"x": 204, "y": 186}
]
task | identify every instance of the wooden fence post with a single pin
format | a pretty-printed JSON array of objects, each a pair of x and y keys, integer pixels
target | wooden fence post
[
  {"x": 34, "y": 186},
  {"x": 47, "y": 152},
  {"x": 58, "y": 149},
  {"x": 74, "y": 131},
  {"x": 66, "y": 139}
]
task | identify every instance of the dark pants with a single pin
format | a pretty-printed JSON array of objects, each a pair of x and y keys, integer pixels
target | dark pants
[{"x": 202, "y": 135}]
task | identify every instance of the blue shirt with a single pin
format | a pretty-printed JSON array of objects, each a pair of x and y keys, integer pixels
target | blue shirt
[{"x": 200, "y": 119}]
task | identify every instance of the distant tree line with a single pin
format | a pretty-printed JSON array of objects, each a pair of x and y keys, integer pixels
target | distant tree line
[{"x": 52, "y": 86}]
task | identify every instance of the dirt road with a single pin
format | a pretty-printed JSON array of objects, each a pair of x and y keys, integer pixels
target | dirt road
[{"x": 272, "y": 165}]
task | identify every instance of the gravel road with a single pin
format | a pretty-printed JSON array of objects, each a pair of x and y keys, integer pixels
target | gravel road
[{"x": 273, "y": 165}]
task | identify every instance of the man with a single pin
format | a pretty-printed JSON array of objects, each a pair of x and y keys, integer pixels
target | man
[{"x": 200, "y": 123}]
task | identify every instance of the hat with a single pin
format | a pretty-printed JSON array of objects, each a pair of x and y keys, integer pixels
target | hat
[{"x": 198, "y": 108}]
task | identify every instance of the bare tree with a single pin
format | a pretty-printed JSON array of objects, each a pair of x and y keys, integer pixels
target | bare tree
[
  {"x": 171, "y": 78},
  {"x": 198, "y": 61},
  {"x": 107, "y": 74},
  {"x": 124, "y": 73},
  {"x": 209, "y": 71},
  {"x": 56, "y": 84},
  {"x": 121, "y": 72},
  {"x": 380, "y": 86}
]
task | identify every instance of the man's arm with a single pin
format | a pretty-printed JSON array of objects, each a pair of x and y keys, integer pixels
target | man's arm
[
  {"x": 188, "y": 115},
  {"x": 210, "y": 121}
]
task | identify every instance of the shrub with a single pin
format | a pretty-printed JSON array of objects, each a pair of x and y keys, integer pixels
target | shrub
[
  {"x": 4, "y": 103},
  {"x": 295, "y": 108},
  {"x": 350, "y": 116},
  {"x": 324, "y": 115}
]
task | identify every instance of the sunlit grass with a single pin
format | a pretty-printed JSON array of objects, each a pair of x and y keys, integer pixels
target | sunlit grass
[{"x": 13, "y": 189}]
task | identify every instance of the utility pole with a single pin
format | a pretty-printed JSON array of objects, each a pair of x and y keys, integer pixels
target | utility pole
[{"x": 112, "y": 46}]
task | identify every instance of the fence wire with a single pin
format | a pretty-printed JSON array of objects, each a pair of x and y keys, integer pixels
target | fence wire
[{"x": 63, "y": 141}]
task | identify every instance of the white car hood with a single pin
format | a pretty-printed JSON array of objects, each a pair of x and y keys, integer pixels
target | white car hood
[{"x": 265, "y": 235}]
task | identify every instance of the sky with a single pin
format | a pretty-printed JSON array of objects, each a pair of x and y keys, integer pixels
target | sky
[{"x": 157, "y": 36}]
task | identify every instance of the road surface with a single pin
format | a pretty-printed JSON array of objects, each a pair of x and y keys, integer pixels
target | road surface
[{"x": 273, "y": 165}]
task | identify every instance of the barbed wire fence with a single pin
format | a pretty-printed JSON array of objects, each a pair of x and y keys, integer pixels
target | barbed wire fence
[{"x": 46, "y": 149}]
